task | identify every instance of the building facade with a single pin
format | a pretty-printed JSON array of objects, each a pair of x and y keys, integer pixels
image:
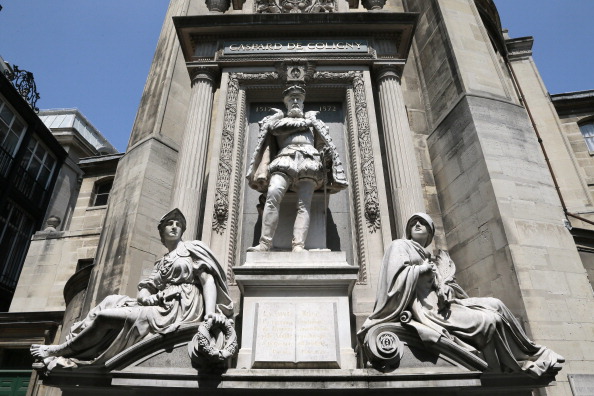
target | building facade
[
  {"x": 431, "y": 107},
  {"x": 31, "y": 159}
]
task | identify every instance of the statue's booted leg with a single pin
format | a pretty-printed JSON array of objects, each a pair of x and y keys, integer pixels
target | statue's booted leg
[
  {"x": 305, "y": 189},
  {"x": 277, "y": 188}
]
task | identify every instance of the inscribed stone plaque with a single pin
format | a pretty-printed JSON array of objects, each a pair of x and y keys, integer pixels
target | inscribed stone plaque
[
  {"x": 316, "y": 333},
  {"x": 582, "y": 384},
  {"x": 295, "y": 46},
  {"x": 275, "y": 332},
  {"x": 295, "y": 335}
]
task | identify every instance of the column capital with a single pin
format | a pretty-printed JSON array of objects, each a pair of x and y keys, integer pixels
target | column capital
[
  {"x": 383, "y": 70},
  {"x": 210, "y": 73}
]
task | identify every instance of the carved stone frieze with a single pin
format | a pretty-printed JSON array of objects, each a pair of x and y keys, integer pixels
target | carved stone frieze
[{"x": 294, "y": 6}]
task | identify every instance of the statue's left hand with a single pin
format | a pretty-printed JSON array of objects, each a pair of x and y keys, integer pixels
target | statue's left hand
[{"x": 217, "y": 318}]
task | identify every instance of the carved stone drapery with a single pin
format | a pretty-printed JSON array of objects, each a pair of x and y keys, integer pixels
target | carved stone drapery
[
  {"x": 189, "y": 178},
  {"x": 294, "y": 6}
]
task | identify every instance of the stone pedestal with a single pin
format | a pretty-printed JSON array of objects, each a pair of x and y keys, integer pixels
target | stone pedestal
[{"x": 296, "y": 310}]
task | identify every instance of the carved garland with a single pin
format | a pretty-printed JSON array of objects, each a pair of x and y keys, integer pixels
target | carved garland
[
  {"x": 221, "y": 211},
  {"x": 363, "y": 138},
  {"x": 294, "y": 6}
]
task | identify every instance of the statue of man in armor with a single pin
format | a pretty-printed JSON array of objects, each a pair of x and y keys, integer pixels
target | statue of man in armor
[{"x": 293, "y": 152}]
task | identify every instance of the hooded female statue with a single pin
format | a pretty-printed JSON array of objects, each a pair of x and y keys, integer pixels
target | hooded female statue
[
  {"x": 187, "y": 285},
  {"x": 414, "y": 280}
]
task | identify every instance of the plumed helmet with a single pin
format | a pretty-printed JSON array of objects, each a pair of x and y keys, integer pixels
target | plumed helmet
[{"x": 424, "y": 218}]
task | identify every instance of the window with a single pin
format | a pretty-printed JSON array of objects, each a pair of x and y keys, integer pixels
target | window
[
  {"x": 587, "y": 130},
  {"x": 16, "y": 229},
  {"x": 39, "y": 162},
  {"x": 11, "y": 129},
  {"x": 101, "y": 192},
  {"x": 15, "y": 372}
]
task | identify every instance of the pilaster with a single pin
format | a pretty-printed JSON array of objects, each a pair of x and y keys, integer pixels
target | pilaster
[
  {"x": 189, "y": 179},
  {"x": 405, "y": 184}
]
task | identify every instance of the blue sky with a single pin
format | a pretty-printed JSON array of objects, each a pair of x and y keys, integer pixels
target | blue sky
[{"x": 95, "y": 55}]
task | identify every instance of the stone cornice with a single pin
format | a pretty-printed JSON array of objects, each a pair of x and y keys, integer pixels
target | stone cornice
[
  {"x": 389, "y": 34},
  {"x": 519, "y": 48},
  {"x": 574, "y": 102}
]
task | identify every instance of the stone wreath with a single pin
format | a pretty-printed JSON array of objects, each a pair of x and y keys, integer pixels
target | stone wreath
[{"x": 203, "y": 344}]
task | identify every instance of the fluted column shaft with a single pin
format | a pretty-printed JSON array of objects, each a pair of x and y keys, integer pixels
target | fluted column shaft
[
  {"x": 191, "y": 163},
  {"x": 405, "y": 183}
]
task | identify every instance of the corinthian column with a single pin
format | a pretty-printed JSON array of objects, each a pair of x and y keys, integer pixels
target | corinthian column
[
  {"x": 191, "y": 163},
  {"x": 405, "y": 183}
]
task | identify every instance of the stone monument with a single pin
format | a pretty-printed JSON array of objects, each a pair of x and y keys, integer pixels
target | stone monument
[{"x": 423, "y": 112}]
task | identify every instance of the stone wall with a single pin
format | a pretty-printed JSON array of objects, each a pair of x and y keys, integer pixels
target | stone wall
[
  {"x": 502, "y": 218},
  {"x": 53, "y": 255}
]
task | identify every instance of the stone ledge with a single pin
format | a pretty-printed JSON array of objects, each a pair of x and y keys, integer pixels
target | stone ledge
[{"x": 353, "y": 382}]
